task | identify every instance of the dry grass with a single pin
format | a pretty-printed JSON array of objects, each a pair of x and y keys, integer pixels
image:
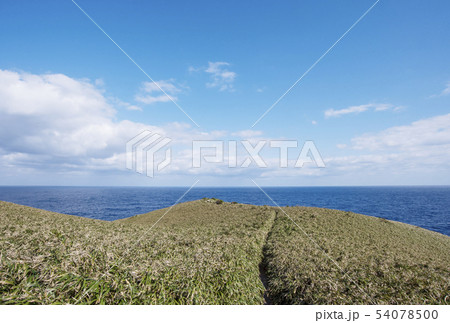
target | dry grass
[
  {"x": 208, "y": 252},
  {"x": 199, "y": 253},
  {"x": 392, "y": 262}
]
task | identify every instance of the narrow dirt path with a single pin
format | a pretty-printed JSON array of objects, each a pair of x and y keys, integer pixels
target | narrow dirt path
[{"x": 262, "y": 264}]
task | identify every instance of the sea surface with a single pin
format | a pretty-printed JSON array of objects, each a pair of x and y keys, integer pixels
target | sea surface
[{"x": 424, "y": 206}]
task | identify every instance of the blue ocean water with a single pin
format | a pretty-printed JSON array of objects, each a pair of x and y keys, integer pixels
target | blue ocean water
[{"x": 427, "y": 207}]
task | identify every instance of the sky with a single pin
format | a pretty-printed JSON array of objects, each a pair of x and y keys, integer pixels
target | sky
[{"x": 373, "y": 97}]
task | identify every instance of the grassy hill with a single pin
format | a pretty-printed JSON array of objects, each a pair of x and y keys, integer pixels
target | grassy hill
[{"x": 207, "y": 252}]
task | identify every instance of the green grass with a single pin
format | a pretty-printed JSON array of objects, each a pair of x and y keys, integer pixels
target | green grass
[
  {"x": 385, "y": 262},
  {"x": 210, "y": 251},
  {"x": 199, "y": 253}
]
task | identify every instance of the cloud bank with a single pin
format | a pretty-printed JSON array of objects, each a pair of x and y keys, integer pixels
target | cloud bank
[
  {"x": 356, "y": 109},
  {"x": 158, "y": 91},
  {"x": 54, "y": 124}
]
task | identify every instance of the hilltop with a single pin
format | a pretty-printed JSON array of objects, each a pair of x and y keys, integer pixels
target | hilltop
[{"x": 213, "y": 252}]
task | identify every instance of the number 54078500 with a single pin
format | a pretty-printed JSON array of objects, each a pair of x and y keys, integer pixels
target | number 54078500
[{"x": 407, "y": 314}]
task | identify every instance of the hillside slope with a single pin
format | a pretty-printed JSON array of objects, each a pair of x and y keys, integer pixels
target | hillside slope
[
  {"x": 336, "y": 257},
  {"x": 198, "y": 253},
  {"x": 203, "y": 252}
]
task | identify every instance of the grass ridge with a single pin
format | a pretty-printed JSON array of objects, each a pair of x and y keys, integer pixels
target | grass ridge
[
  {"x": 209, "y": 252},
  {"x": 394, "y": 262}
]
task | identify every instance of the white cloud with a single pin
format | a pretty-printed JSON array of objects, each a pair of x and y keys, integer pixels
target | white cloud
[
  {"x": 134, "y": 108},
  {"x": 420, "y": 136},
  {"x": 445, "y": 91},
  {"x": 99, "y": 82},
  {"x": 53, "y": 125},
  {"x": 221, "y": 77},
  {"x": 148, "y": 99},
  {"x": 314, "y": 122},
  {"x": 359, "y": 108},
  {"x": 417, "y": 153},
  {"x": 153, "y": 92},
  {"x": 123, "y": 104},
  {"x": 56, "y": 122},
  {"x": 192, "y": 69},
  {"x": 157, "y": 86},
  {"x": 382, "y": 107},
  {"x": 422, "y": 147},
  {"x": 247, "y": 133}
]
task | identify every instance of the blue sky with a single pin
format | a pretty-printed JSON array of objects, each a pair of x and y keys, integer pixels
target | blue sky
[{"x": 376, "y": 106}]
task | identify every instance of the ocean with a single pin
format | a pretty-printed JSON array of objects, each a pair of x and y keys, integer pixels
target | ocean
[{"x": 424, "y": 206}]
